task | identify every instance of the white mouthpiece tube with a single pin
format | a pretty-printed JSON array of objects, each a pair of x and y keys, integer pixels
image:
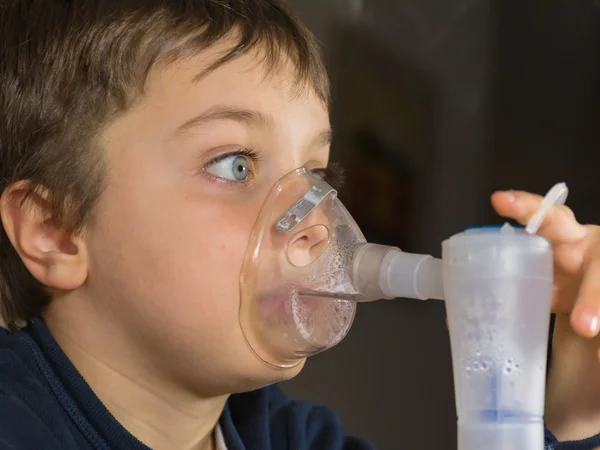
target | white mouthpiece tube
[{"x": 379, "y": 271}]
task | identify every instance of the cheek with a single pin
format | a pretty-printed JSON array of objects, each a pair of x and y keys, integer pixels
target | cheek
[
  {"x": 198, "y": 263},
  {"x": 177, "y": 261},
  {"x": 212, "y": 255}
]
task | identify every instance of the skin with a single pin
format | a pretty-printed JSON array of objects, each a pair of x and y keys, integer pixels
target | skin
[{"x": 145, "y": 302}]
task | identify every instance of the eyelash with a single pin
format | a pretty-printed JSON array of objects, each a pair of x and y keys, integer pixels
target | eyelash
[
  {"x": 248, "y": 153},
  {"x": 333, "y": 174}
]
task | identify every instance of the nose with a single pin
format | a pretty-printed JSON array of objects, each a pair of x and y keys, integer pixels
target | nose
[{"x": 306, "y": 246}]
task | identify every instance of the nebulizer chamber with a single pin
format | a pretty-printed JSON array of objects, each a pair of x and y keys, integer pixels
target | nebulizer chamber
[
  {"x": 496, "y": 283},
  {"x": 497, "y": 286}
]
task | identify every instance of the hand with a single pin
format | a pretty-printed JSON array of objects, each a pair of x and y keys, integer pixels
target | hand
[
  {"x": 576, "y": 258},
  {"x": 572, "y": 390}
]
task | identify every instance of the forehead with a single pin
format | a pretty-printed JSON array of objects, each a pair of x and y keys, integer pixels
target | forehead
[{"x": 246, "y": 80}]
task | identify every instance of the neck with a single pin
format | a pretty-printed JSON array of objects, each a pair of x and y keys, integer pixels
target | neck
[
  {"x": 157, "y": 413},
  {"x": 573, "y": 389}
]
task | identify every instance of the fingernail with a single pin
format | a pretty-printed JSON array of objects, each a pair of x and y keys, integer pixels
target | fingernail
[
  {"x": 588, "y": 318},
  {"x": 510, "y": 196}
]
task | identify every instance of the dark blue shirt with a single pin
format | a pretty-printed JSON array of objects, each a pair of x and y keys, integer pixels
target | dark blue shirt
[{"x": 46, "y": 404}]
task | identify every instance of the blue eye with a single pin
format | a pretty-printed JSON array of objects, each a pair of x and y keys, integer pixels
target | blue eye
[{"x": 234, "y": 168}]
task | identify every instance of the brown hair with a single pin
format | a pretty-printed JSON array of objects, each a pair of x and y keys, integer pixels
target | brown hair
[{"x": 67, "y": 67}]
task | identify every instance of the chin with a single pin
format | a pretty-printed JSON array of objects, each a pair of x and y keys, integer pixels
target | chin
[{"x": 266, "y": 375}]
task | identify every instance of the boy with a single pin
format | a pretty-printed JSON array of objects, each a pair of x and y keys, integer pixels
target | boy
[{"x": 138, "y": 140}]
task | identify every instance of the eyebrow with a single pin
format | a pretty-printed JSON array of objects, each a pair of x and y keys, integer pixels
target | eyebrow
[
  {"x": 324, "y": 138},
  {"x": 220, "y": 112},
  {"x": 247, "y": 117}
]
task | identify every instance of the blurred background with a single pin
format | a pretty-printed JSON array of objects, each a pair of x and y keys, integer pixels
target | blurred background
[{"x": 437, "y": 103}]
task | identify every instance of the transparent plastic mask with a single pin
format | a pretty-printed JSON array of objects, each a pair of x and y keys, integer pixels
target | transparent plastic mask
[{"x": 297, "y": 298}]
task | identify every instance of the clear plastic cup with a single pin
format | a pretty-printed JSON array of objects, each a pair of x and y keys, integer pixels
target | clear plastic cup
[{"x": 498, "y": 289}]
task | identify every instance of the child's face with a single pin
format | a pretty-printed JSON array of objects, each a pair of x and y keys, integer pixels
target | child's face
[{"x": 170, "y": 231}]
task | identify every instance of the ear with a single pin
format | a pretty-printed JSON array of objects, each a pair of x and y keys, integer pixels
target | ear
[{"x": 53, "y": 255}]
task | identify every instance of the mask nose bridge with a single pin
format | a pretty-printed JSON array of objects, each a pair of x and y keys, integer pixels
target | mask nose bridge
[
  {"x": 305, "y": 206},
  {"x": 311, "y": 233}
]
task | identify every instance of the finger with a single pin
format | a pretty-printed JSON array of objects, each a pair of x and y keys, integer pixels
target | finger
[
  {"x": 585, "y": 317},
  {"x": 565, "y": 291},
  {"x": 559, "y": 226}
]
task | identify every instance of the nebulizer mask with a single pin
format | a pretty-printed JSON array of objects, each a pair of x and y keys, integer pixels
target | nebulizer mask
[{"x": 297, "y": 297}]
